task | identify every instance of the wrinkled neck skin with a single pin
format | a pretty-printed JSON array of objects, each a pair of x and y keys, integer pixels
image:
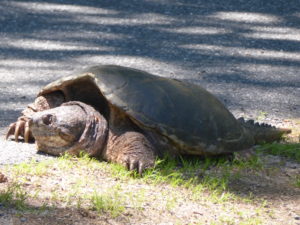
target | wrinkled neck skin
[{"x": 94, "y": 136}]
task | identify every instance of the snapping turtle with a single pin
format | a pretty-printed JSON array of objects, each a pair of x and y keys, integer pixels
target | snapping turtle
[{"x": 129, "y": 116}]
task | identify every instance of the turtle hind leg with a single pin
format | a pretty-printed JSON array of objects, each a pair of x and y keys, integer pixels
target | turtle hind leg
[
  {"x": 131, "y": 149},
  {"x": 20, "y": 128}
]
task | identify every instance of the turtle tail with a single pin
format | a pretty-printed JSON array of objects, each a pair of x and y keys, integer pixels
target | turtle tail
[{"x": 263, "y": 132}]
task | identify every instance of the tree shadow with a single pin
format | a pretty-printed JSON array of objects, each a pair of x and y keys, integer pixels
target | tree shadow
[{"x": 195, "y": 36}]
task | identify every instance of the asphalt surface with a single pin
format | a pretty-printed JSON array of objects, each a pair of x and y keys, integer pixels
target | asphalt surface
[{"x": 245, "y": 52}]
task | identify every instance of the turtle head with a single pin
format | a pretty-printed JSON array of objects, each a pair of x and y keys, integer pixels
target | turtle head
[{"x": 69, "y": 128}]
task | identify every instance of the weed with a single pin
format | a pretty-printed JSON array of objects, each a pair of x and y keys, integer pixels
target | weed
[
  {"x": 297, "y": 181},
  {"x": 196, "y": 175},
  {"x": 252, "y": 221},
  {"x": 290, "y": 150},
  {"x": 262, "y": 115},
  {"x": 31, "y": 168},
  {"x": 15, "y": 196},
  {"x": 171, "y": 203},
  {"x": 120, "y": 171},
  {"x": 108, "y": 203},
  {"x": 254, "y": 162}
]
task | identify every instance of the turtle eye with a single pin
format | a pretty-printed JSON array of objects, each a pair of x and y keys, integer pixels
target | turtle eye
[{"x": 47, "y": 119}]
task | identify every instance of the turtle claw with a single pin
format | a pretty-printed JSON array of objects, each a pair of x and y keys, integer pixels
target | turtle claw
[
  {"x": 26, "y": 132},
  {"x": 138, "y": 165},
  {"x": 20, "y": 128},
  {"x": 132, "y": 165},
  {"x": 141, "y": 168},
  {"x": 11, "y": 130}
]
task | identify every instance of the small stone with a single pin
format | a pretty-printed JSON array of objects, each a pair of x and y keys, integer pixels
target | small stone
[
  {"x": 3, "y": 178},
  {"x": 23, "y": 219},
  {"x": 297, "y": 217},
  {"x": 291, "y": 165}
]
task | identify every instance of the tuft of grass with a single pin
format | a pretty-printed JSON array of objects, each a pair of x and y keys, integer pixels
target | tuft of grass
[
  {"x": 14, "y": 196},
  {"x": 119, "y": 171},
  {"x": 254, "y": 163},
  {"x": 111, "y": 203},
  {"x": 254, "y": 220},
  {"x": 297, "y": 181},
  {"x": 197, "y": 175},
  {"x": 262, "y": 115},
  {"x": 171, "y": 203},
  {"x": 290, "y": 150},
  {"x": 169, "y": 171},
  {"x": 32, "y": 168}
]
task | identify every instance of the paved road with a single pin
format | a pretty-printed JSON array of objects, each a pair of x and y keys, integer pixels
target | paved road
[{"x": 245, "y": 52}]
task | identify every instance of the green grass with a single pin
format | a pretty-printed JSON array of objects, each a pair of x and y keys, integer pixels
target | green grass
[
  {"x": 297, "y": 181},
  {"x": 290, "y": 150},
  {"x": 195, "y": 174},
  {"x": 14, "y": 196},
  {"x": 254, "y": 162},
  {"x": 261, "y": 115},
  {"x": 32, "y": 168},
  {"x": 111, "y": 203},
  {"x": 65, "y": 162}
]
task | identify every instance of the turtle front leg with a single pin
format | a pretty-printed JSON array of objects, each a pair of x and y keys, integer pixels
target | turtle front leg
[
  {"x": 41, "y": 103},
  {"x": 20, "y": 128},
  {"x": 131, "y": 149}
]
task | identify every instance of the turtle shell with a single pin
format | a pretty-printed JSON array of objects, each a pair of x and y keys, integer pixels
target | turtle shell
[{"x": 189, "y": 116}]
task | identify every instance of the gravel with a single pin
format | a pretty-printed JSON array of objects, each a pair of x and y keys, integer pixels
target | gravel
[
  {"x": 14, "y": 153},
  {"x": 245, "y": 52}
]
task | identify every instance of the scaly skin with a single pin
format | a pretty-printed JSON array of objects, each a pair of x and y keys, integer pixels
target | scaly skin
[
  {"x": 126, "y": 145},
  {"x": 132, "y": 149},
  {"x": 263, "y": 132}
]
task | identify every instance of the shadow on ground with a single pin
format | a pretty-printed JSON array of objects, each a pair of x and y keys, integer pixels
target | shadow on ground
[{"x": 233, "y": 48}]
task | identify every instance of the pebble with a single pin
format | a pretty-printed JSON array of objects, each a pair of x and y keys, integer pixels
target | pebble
[{"x": 23, "y": 219}]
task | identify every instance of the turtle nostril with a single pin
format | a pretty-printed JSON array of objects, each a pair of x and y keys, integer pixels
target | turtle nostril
[{"x": 47, "y": 119}]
